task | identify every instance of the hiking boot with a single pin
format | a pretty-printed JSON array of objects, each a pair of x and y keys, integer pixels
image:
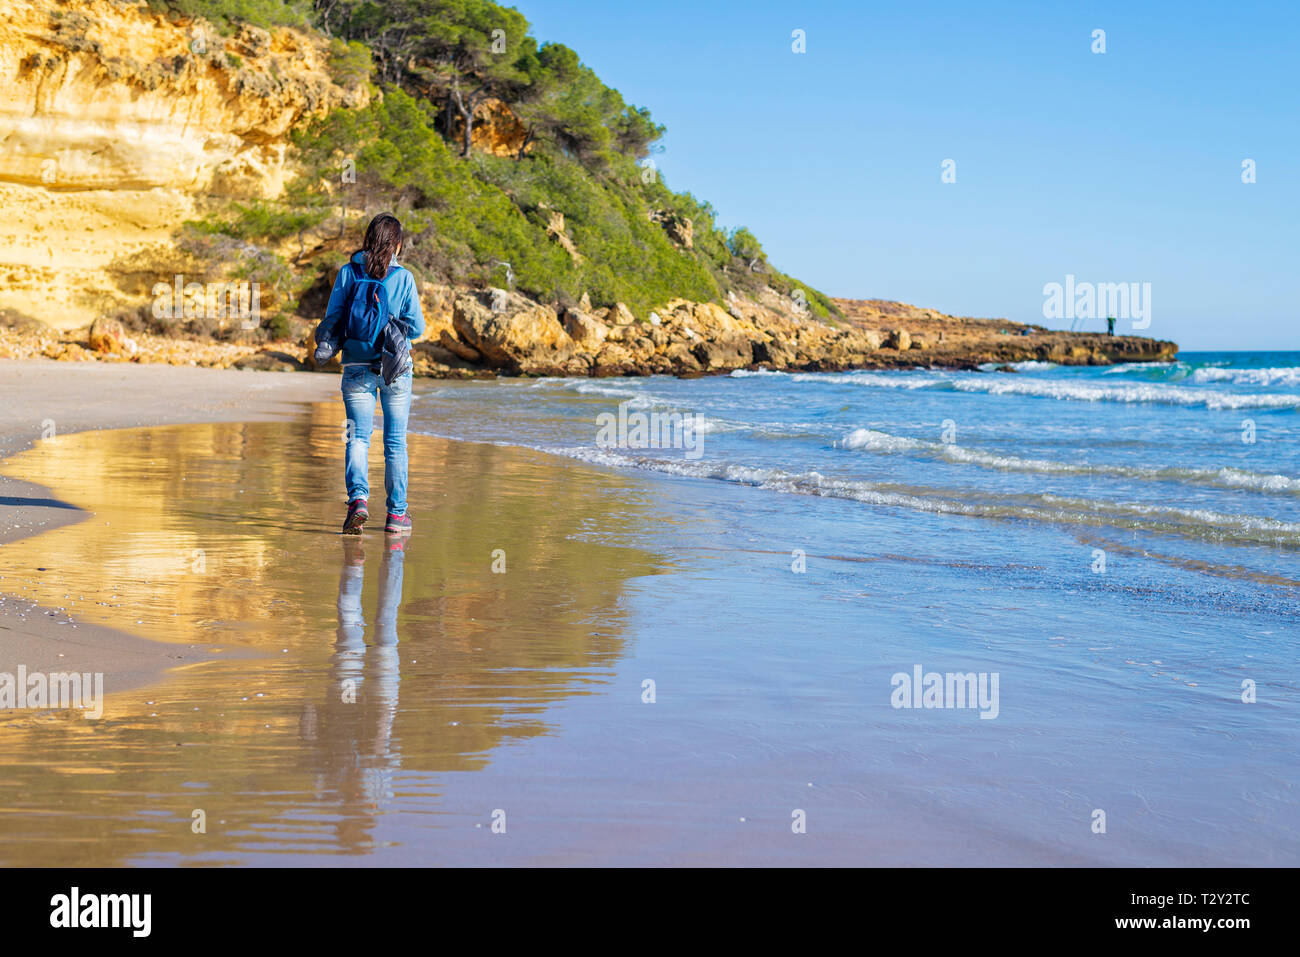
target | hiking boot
[
  {"x": 398, "y": 523},
  {"x": 357, "y": 515}
]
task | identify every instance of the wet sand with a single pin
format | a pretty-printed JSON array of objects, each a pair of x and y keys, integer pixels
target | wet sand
[
  {"x": 51, "y": 401},
  {"x": 223, "y": 537},
  {"x": 481, "y": 693}
]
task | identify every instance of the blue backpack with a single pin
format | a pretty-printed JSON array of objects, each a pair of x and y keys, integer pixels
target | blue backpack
[
  {"x": 368, "y": 311},
  {"x": 366, "y": 320}
]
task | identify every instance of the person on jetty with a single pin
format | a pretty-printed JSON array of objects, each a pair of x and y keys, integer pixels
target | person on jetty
[
  {"x": 374, "y": 312},
  {"x": 1110, "y": 325}
]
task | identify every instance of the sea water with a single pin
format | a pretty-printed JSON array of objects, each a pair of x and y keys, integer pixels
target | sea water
[{"x": 1120, "y": 544}]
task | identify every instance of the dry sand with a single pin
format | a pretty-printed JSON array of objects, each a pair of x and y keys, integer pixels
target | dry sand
[{"x": 40, "y": 395}]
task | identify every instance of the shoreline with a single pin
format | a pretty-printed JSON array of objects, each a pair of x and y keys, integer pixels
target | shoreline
[
  {"x": 327, "y": 739},
  {"x": 70, "y": 398}
]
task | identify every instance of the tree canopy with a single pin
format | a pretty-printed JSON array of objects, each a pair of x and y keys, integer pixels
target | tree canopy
[{"x": 583, "y": 167}]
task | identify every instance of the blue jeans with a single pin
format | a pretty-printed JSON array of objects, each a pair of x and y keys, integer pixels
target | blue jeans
[{"x": 360, "y": 385}]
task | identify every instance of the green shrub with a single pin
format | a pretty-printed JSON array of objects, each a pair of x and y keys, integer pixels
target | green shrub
[
  {"x": 350, "y": 63},
  {"x": 224, "y": 14}
]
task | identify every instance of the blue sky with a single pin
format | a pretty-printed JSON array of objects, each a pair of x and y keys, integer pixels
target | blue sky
[{"x": 1116, "y": 167}]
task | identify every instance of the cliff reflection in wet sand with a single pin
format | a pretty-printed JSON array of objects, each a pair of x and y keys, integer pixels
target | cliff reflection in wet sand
[{"x": 351, "y": 674}]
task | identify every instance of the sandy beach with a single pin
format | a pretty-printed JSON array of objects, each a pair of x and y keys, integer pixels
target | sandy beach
[
  {"x": 595, "y": 662},
  {"x": 47, "y": 398},
  {"x": 212, "y": 549}
]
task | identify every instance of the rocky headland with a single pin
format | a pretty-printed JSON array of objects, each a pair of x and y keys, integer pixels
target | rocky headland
[{"x": 491, "y": 332}]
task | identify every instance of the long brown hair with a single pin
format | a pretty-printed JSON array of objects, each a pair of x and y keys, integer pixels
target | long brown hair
[{"x": 383, "y": 237}]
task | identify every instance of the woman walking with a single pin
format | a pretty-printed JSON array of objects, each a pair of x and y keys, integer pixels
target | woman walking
[{"x": 372, "y": 283}]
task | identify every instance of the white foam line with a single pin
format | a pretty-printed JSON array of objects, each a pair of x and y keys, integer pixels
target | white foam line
[
  {"x": 992, "y": 384},
  {"x": 1225, "y": 477},
  {"x": 1197, "y": 523}
]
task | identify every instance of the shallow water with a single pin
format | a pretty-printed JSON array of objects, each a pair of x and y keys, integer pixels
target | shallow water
[
  {"x": 226, "y": 535},
  {"x": 524, "y": 693}
]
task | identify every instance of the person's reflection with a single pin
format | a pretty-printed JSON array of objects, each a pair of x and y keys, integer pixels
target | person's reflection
[{"x": 353, "y": 730}]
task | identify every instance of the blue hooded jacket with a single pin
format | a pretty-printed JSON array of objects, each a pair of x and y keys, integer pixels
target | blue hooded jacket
[{"x": 403, "y": 303}]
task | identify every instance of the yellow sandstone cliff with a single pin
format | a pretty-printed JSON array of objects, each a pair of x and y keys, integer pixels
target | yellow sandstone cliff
[{"x": 117, "y": 124}]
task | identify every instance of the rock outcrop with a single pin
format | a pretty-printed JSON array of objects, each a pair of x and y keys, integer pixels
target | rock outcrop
[
  {"x": 586, "y": 331},
  {"x": 493, "y": 332},
  {"x": 516, "y": 335},
  {"x": 691, "y": 338},
  {"x": 107, "y": 335},
  {"x": 967, "y": 343},
  {"x": 497, "y": 130},
  {"x": 680, "y": 229},
  {"x": 899, "y": 339},
  {"x": 556, "y": 230}
]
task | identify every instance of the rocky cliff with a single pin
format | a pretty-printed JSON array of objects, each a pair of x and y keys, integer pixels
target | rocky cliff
[
  {"x": 500, "y": 333},
  {"x": 117, "y": 124}
]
